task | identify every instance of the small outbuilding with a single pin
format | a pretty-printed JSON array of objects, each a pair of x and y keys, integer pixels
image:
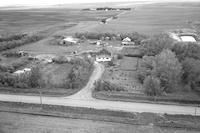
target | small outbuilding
[
  {"x": 69, "y": 40},
  {"x": 25, "y": 70}
]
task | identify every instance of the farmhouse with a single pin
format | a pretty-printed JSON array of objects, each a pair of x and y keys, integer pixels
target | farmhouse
[
  {"x": 103, "y": 56},
  {"x": 69, "y": 40},
  {"x": 127, "y": 42}
]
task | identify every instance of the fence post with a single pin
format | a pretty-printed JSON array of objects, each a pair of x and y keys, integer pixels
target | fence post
[{"x": 40, "y": 98}]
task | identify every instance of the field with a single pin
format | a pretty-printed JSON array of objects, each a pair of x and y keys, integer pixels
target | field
[
  {"x": 15, "y": 21},
  {"x": 155, "y": 18},
  {"x": 32, "y": 118},
  {"x": 21, "y": 123}
]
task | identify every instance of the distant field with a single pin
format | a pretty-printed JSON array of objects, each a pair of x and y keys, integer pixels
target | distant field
[
  {"x": 37, "y": 19},
  {"x": 155, "y": 18}
]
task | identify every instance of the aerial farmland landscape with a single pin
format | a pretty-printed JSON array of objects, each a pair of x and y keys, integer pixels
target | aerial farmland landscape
[{"x": 100, "y": 66}]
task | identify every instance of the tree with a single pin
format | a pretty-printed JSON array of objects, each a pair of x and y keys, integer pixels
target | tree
[
  {"x": 164, "y": 66},
  {"x": 152, "y": 86},
  {"x": 184, "y": 50},
  {"x": 168, "y": 69},
  {"x": 35, "y": 77},
  {"x": 191, "y": 75},
  {"x": 156, "y": 44}
]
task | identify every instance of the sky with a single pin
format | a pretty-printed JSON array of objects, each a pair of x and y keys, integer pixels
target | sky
[{"x": 55, "y": 2}]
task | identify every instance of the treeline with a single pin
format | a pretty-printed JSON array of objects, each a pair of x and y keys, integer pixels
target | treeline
[
  {"x": 136, "y": 37},
  {"x": 110, "y": 8},
  {"x": 14, "y": 66},
  {"x": 169, "y": 66},
  {"x": 79, "y": 74},
  {"x": 30, "y": 79},
  {"x": 13, "y": 41},
  {"x": 12, "y": 37}
]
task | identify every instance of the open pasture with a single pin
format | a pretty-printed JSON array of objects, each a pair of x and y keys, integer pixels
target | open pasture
[
  {"x": 15, "y": 21},
  {"x": 154, "y": 18}
]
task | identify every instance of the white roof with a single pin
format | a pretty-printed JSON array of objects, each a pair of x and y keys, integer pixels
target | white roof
[
  {"x": 70, "y": 39},
  {"x": 22, "y": 71},
  {"x": 187, "y": 38},
  {"x": 127, "y": 39}
]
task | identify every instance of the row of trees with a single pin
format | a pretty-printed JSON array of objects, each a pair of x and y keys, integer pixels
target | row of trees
[
  {"x": 12, "y": 43},
  {"x": 11, "y": 37},
  {"x": 136, "y": 37},
  {"x": 166, "y": 65},
  {"x": 14, "y": 66}
]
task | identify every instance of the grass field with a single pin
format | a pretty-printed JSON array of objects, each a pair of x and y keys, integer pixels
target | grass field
[
  {"x": 155, "y": 18},
  {"x": 32, "y": 118},
  {"x": 21, "y": 123},
  {"x": 15, "y": 21}
]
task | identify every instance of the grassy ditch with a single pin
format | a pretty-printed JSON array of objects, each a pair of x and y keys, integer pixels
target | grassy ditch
[
  {"x": 174, "y": 121},
  {"x": 132, "y": 97}
]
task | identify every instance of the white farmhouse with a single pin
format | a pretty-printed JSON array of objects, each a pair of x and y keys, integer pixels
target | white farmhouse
[
  {"x": 127, "y": 42},
  {"x": 103, "y": 56}
]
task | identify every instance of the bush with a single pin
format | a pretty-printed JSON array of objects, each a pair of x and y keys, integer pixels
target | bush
[
  {"x": 60, "y": 60},
  {"x": 106, "y": 86},
  {"x": 152, "y": 86},
  {"x": 120, "y": 56},
  {"x": 11, "y": 54}
]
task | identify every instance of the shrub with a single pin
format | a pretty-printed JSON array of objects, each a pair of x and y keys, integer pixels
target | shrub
[
  {"x": 152, "y": 86},
  {"x": 120, "y": 56},
  {"x": 11, "y": 54},
  {"x": 106, "y": 86},
  {"x": 60, "y": 60}
]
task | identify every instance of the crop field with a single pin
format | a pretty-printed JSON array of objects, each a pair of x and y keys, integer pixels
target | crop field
[
  {"x": 15, "y": 21},
  {"x": 129, "y": 63},
  {"x": 123, "y": 78},
  {"x": 155, "y": 18}
]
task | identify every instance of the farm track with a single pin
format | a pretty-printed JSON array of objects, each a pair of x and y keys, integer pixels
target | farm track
[{"x": 84, "y": 99}]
